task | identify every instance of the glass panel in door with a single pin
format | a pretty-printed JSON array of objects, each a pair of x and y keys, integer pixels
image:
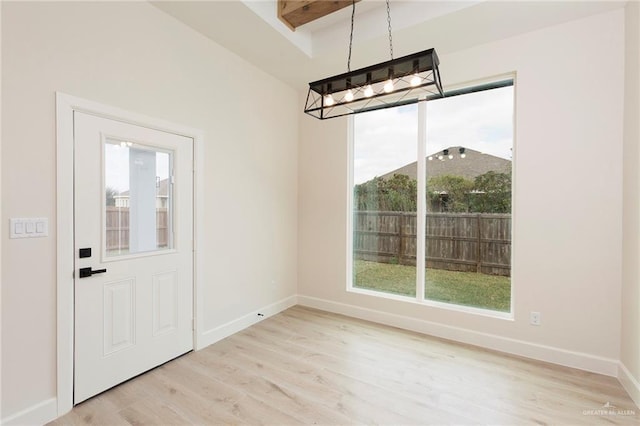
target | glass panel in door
[{"x": 138, "y": 198}]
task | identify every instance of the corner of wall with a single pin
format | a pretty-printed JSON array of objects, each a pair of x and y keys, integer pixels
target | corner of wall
[
  {"x": 216, "y": 334},
  {"x": 629, "y": 383},
  {"x": 629, "y": 374}
]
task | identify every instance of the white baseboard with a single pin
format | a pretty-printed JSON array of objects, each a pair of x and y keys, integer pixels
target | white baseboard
[
  {"x": 225, "y": 330},
  {"x": 629, "y": 383},
  {"x": 535, "y": 351},
  {"x": 38, "y": 414}
]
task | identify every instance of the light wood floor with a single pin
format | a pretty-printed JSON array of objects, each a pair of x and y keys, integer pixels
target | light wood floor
[{"x": 310, "y": 367}]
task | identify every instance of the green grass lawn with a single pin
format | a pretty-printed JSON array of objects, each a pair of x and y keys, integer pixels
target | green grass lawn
[{"x": 462, "y": 288}]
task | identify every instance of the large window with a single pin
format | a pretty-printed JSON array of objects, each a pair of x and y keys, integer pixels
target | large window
[{"x": 432, "y": 199}]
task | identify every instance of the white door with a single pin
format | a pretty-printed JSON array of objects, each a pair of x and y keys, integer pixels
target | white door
[{"x": 134, "y": 256}]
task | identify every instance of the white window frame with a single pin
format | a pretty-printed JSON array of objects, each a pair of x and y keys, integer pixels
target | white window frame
[{"x": 421, "y": 207}]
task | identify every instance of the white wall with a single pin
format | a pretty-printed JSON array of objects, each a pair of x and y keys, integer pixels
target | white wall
[
  {"x": 567, "y": 205},
  {"x": 134, "y": 57},
  {"x": 630, "y": 337}
]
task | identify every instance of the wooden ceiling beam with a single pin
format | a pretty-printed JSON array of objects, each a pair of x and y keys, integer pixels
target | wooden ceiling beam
[{"x": 295, "y": 13}]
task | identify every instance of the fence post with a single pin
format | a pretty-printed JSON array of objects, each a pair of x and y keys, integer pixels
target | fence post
[
  {"x": 479, "y": 259},
  {"x": 401, "y": 220}
]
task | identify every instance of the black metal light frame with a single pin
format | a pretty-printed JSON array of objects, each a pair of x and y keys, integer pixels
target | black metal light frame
[{"x": 414, "y": 78}]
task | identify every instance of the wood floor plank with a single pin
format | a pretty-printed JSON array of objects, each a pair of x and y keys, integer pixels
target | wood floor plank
[
  {"x": 306, "y": 366},
  {"x": 151, "y": 411}
]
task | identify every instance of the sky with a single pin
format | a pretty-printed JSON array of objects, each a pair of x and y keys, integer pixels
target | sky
[{"x": 385, "y": 140}]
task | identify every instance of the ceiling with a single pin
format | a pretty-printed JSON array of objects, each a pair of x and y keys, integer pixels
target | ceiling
[{"x": 252, "y": 30}]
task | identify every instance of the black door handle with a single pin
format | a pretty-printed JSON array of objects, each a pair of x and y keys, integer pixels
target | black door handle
[{"x": 87, "y": 272}]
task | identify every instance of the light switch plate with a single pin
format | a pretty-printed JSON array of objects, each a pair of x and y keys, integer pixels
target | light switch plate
[{"x": 33, "y": 227}]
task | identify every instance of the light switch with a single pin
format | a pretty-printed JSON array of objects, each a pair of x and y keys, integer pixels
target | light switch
[
  {"x": 28, "y": 227},
  {"x": 18, "y": 227},
  {"x": 42, "y": 226}
]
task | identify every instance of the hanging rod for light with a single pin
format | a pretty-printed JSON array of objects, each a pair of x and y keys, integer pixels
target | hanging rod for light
[{"x": 396, "y": 82}]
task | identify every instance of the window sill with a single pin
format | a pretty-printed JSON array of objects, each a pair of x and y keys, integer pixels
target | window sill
[{"x": 431, "y": 303}]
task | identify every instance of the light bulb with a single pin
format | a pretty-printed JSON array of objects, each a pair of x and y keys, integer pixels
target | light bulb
[
  {"x": 440, "y": 157},
  {"x": 328, "y": 100},
  {"x": 416, "y": 80},
  {"x": 349, "y": 96},
  {"x": 388, "y": 86},
  {"x": 430, "y": 158},
  {"x": 368, "y": 91},
  {"x": 463, "y": 155},
  {"x": 450, "y": 156}
]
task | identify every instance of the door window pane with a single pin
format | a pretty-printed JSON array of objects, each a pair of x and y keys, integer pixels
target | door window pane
[
  {"x": 385, "y": 198},
  {"x": 138, "y": 198}
]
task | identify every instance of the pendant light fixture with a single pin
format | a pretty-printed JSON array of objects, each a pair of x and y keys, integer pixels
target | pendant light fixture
[{"x": 406, "y": 80}]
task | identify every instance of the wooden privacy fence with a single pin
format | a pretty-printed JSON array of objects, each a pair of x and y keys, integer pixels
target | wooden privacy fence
[
  {"x": 470, "y": 242},
  {"x": 117, "y": 224}
]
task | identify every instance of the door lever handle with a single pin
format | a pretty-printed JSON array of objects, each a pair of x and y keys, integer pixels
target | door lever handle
[{"x": 87, "y": 272}]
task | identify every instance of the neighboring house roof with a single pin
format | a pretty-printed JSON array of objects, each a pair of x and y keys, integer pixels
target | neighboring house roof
[{"x": 474, "y": 164}]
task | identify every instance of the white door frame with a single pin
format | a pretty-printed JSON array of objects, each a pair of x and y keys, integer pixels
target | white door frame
[{"x": 65, "y": 106}]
